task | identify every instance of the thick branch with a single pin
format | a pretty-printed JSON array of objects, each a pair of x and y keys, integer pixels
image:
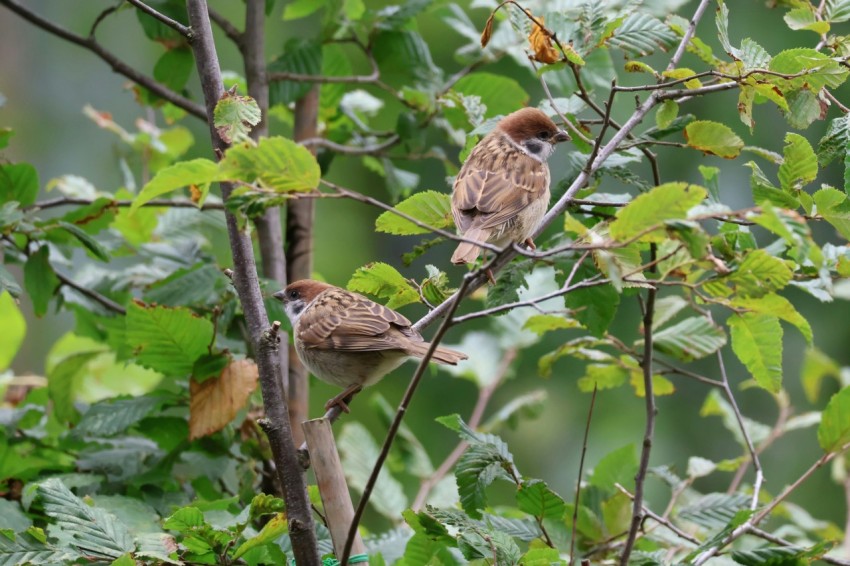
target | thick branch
[
  {"x": 114, "y": 62},
  {"x": 298, "y": 509}
]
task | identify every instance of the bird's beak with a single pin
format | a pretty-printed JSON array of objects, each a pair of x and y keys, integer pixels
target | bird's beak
[
  {"x": 279, "y": 296},
  {"x": 561, "y": 136}
]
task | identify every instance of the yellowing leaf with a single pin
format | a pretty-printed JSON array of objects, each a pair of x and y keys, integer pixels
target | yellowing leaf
[
  {"x": 429, "y": 207},
  {"x": 713, "y": 138},
  {"x": 14, "y": 329},
  {"x": 234, "y": 116},
  {"x": 383, "y": 280},
  {"x": 199, "y": 172},
  {"x": 215, "y": 402},
  {"x": 541, "y": 43},
  {"x": 834, "y": 429},
  {"x": 275, "y": 163},
  {"x": 757, "y": 341}
]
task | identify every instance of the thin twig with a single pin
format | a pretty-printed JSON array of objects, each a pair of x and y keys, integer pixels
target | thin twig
[
  {"x": 228, "y": 28},
  {"x": 91, "y": 294},
  {"x": 660, "y": 519},
  {"x": 580, "y": 472},
  {"x": 114, "y": 62},
  {"x": 185, "y": 31},
  {"x": 350, "y": 149},
  {"x": 67, "y": 201},
  {"x": 402, "y": 409}
]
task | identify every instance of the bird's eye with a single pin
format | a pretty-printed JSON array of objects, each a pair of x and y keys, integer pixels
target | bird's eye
[
  {"x": 543, "y": 135},
  {"x": 293, "y": 294}
]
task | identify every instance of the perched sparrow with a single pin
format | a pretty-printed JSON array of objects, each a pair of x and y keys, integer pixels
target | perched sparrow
[
  {"x": 347, "y": 340},
  {"x": 502, "y": 191}
]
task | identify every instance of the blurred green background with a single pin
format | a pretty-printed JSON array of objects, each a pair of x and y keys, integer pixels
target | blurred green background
[{"x": 46, "y": 83}]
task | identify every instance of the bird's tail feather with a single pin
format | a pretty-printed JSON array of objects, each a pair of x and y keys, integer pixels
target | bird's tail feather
[
  {"x": 467, "y": 252},
  {"x": 441, "y": 355}
]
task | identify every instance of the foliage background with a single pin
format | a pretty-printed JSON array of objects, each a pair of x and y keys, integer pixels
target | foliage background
[{"x": 46, "y": 84}]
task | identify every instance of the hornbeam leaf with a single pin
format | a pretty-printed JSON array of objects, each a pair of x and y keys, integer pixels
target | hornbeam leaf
[
  {"x": 757, "y": 341},
  {"x": 714, "y": 138},
  {"x": 168, "y": 340},
  {"x": 429, "y": 207},
  {"x": 834, "y": 429},
  {"x": 670, "y": 201}
]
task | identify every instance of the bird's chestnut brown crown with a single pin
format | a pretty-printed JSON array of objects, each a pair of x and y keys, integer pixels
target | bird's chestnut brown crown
[
  {"x": 304, "y": 290},
  {"x": 531, "y": 123}
]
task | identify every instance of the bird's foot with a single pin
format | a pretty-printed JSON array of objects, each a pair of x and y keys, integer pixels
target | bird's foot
[
  {"x": 343, "y": 399},
  {"x": 490, "y": 277},
  {"x": 530, "y": 243}
]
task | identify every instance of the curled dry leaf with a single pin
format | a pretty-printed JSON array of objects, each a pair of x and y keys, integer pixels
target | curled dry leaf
[
  {"x": 488, "y": 31},
  {"x": 216, "y": 401},
  {"x": 541, "y": 42}
]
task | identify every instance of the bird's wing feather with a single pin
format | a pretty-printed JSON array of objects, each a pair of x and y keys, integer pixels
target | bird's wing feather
[
  {"x": 496, "y": 183},
  {"x": 341, "y": 320}
]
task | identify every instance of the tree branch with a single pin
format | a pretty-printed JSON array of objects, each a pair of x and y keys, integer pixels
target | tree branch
[
  {"x": 164, "y": 203},
  {"x": 173, "y": 24},
  {"x": 114, "y": 62},
  {"x": 298, "y": 509}
]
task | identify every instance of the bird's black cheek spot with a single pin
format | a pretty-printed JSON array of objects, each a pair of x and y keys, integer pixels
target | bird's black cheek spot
[{"x": 533, "y": 146}]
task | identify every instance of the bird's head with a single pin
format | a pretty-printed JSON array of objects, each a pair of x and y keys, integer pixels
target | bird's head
[
  {"x": 533, "y": 131},
  {"x": 298, "y": 295}
]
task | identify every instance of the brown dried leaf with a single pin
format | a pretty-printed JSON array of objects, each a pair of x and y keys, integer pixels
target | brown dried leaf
[
  {"x": 488, "y": 30},
  {"x": 215, "y": 402},
  {"x": 541, "y": 42}
]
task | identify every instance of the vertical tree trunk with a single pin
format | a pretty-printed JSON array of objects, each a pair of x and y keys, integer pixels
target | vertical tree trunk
[
  {"x": 298, "y": 510},
  {"x": 300, "y": 216}
]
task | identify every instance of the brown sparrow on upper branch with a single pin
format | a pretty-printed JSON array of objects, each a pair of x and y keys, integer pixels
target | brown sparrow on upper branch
[
  {"x": 347, "y": 340},
  {"x": 502, "y": 191}
]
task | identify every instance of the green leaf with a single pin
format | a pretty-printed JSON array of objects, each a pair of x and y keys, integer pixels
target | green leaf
[
  {"x": 835, "y": 141},
  {"x": 501, "y": 94},
  {"x": 384, "y": 281},
  {"x": 800, "y": 165},
  {"x": 602, "y": 376},
  {"x": 834, "y": 206},
  {"x": 837, "y": 11},
  {"x": 235, "y": 116},
  {"x": 713, "y": 138},
  {"x": 691, "y": 339},
  {"x": 760, "y": 273},
  {"x": 92, "y": 245},
  {"x": 26, "y": 549},
  {"x": 168, "y": 340},
  {"x": 779, "y": 306},
  {"x": 108, "y": 418},
  {"x": 66, "y": 361},
  {"x": 617, "y": 467},
  {"x": 40, "y": 280},
  {"x": 834, "y": 429},
  {"x": 8, "y": 282},
  {"x": 803, "y": 18},
  {"x": 302, "y": 8},
  {"x": 486, "y": 460},
  {"x": 666, "y": 113},
  {"x": 542, "y": 556},
  {"x": 92, "y": 530},
  {"x": 402, "y": 55},
  {"x": 174, "y": 68},
  {"x": 642, "y": 34},
  {"x": 301, "y": 57},
  {"x": 14, "y": 329},
  {"x": 594, "y": 307},
  {"x": 814, "y": 69},
  {"x": 5, "y": 135},
  {"x": 184, "y": 520},
  {"x": 18, "y": 182},
  {"x": 757, "y": 341},
  {"x": 816, "y": 367},
  {"x": 714, "y": 510},
  {"x": 670, "y": 201},
  {"x": 196, "y": 172},
  {"x": 536, "y": 498},
  {"x": 275, "y": 163},
  {"x": 803, "y": 108},
  {"x": 508, "y": 283},
  {"x": 359, "y": 452},
  {"x": 540, "y": 324},
  {"x": 270, "y": 532},
  {"x": 429, "y": 207},
  {"x": 196, "y": 285}
]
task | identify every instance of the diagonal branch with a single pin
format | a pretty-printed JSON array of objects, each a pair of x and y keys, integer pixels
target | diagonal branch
[{"x": 113, "y": 61}]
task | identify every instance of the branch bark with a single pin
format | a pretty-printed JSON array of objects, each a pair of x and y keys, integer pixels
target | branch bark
[
  {"x": 114, "y": 62},
  {"x": 298, "y": 510}
]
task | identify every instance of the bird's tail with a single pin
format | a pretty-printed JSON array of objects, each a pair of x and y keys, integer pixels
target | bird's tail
[
  {"x": 466, "y": 252},
  {"x": 441, "y": 355}
]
